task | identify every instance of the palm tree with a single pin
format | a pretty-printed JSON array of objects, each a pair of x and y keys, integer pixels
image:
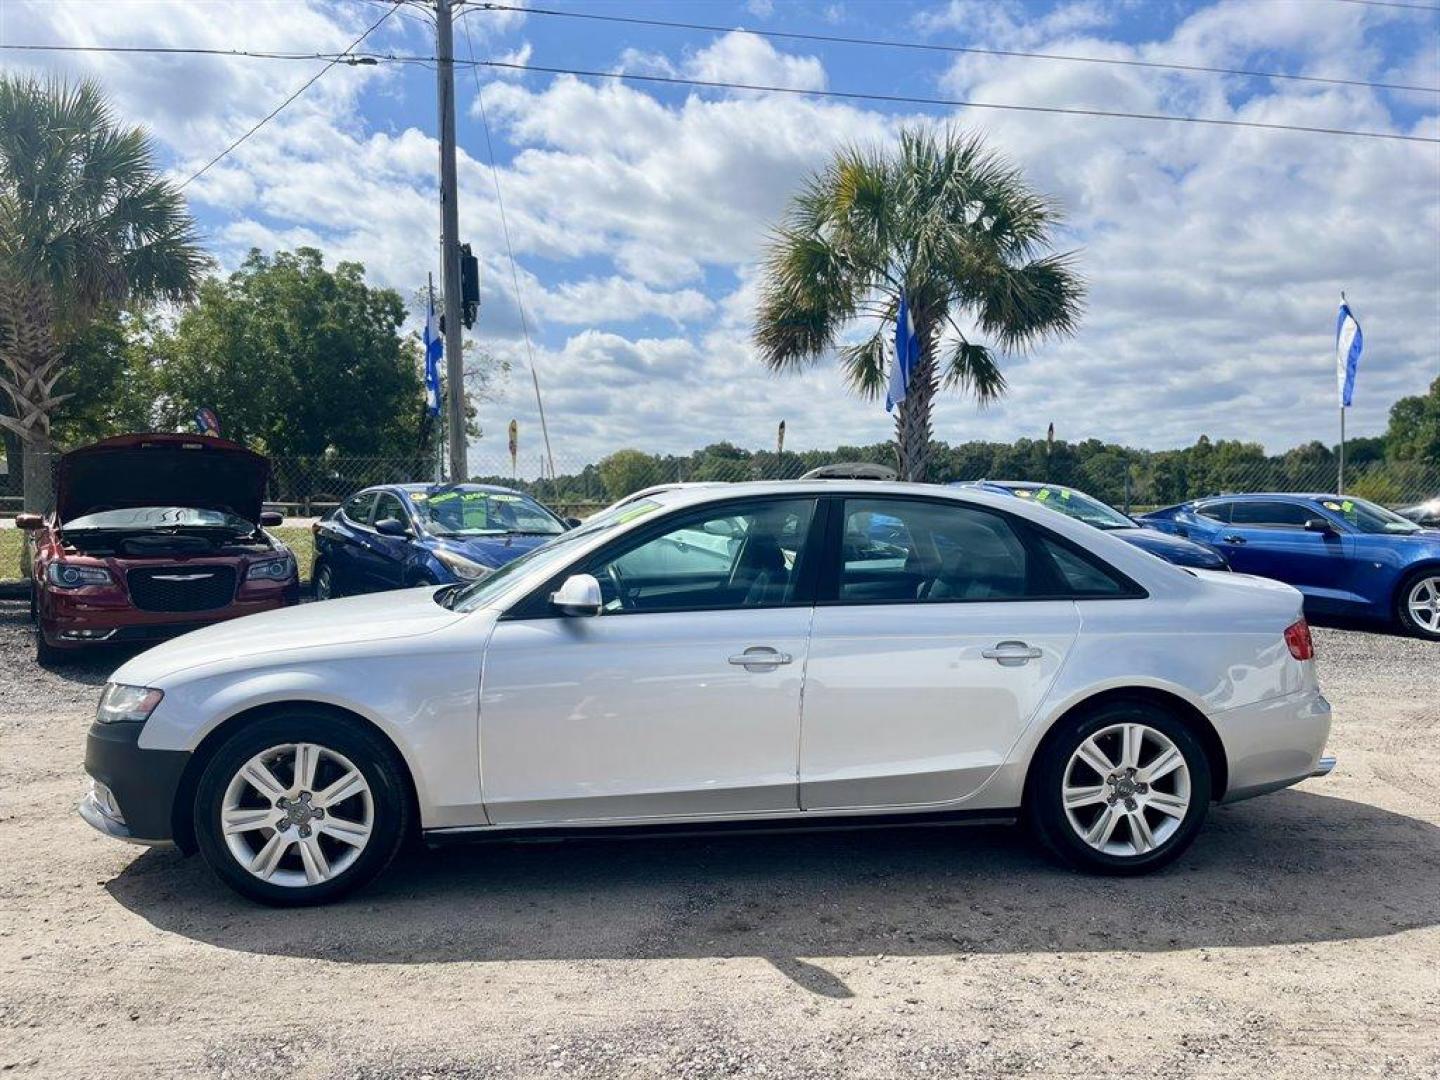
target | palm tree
[
  {"x": 86, "y": 222},
  {"x": 947, "y": 224}
]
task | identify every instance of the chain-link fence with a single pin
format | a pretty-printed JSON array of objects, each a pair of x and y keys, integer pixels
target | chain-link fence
[{"x": 1133, "y": 480}]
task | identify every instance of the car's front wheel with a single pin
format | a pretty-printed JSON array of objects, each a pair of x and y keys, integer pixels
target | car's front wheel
[
  {"x": 300, "y": 809},
  {"x": 1418, "y": 605},
  {"x": 1120, "y": 789}
]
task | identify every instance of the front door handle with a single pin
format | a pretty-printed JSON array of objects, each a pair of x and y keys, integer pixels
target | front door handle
[
  {"x": 760, "y": 656},
  {"x": 1012, "y": 653},
  {"x": 1233, "y": 539}
]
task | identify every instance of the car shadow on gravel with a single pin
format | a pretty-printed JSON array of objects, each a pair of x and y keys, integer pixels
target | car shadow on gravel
[{"x": 1292, "y": 867}]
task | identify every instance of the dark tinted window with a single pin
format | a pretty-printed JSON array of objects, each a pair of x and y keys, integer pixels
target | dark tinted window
[
  {"x": 357, "y": 507},
  {"x": 1084, "y": 577},
  {"x": 1215, "y": 511},
  {"x": 897, "y": 551},
  {"x": 1270, "y": 513},
  {"x": 733, "y": 557},
  {"x": 389, "y": 506}
]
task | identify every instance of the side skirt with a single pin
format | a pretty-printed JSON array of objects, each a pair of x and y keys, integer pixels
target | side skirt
[{"x": 760, "y": 826}]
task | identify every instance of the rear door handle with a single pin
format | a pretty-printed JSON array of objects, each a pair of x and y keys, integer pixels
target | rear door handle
[
  {"x": 1012, "y": 653},
  {"x": 1233, "y": 539},
  {"x": 760, "y": 656}
]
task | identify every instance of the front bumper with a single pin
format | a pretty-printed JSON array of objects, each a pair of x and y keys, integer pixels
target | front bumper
[
  {"x": 134, "y": 790},
  {"x": 72, "y": 619}
]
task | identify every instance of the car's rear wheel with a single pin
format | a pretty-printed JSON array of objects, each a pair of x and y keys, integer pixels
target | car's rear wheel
[
  {"x": 324, "y": 580},
  {"x": 1418, "y": 605},
  {"x": 300, "y": 809},
  {"x": 1120, "y": 789}
]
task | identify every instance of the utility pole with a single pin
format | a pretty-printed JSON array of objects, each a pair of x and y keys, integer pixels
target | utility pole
[{"x": 450, "y": 245}]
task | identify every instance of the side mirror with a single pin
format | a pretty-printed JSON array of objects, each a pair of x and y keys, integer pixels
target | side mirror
[
  {"x": 579, "y": 595},
  {"x": 391, "y": 527},
  {"x": 1318, "y": 525},
  {"x": 573, "y": 522},
  {"x": 28, "y": 521},
  {"x": 270, "y": 518}
]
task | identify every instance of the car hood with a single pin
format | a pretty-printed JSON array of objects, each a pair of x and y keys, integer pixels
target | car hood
[
  {"x": 493, "y": 551},
  {"x": 1173, "y": 549},
  {"x": 161, "y": 470},
  {"x": 355, "y": 620}
]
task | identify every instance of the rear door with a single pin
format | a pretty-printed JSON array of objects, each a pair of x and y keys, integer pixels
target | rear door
[
  {"x": 343, "y": 546},
  {"x": 939, "y": 629}
]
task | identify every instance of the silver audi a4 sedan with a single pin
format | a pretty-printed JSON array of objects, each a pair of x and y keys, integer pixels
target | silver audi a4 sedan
[{"x": 805, "y": 652}]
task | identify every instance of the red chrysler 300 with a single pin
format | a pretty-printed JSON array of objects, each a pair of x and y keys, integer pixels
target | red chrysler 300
[{"x": 153, "y": 535}]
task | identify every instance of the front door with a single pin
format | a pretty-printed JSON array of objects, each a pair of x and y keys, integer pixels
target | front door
[
  {"x": 934, "y": 643},
  {"x": 1269, "y": 539},
  {"x": 681, "y": 699},
  {"x": 387, "y": 556}
]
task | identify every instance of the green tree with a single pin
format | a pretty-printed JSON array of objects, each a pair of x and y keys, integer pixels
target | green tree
[
  {"x": 627, "y": 471},
  {"x": 297, "y": 359},
  {"x": 86, "y": 225},
  {"x": 1414, "y": 431},
  {"x": 947, "y": 224}
]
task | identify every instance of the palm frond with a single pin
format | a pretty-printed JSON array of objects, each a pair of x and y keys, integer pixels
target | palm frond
[{"x": 972, "y": 369}]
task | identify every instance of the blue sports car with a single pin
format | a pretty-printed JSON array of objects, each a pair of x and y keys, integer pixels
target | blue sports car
[
  {"x": 1348, "y": 556},
  {"x": 400, "y": 535},
  {"x": 1082, "y": 507}
]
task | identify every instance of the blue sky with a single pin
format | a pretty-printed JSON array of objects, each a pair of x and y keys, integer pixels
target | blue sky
[{"x": 638, "y": 212}]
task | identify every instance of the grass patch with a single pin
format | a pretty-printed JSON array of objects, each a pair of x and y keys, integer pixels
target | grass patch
[{"x": 298, "y": 538}]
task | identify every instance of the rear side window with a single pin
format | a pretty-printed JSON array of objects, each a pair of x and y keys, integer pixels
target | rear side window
[
  {"x": 1215, "y": 511},
  {"x": 357, "y": 507},
  {"x": 1082, "y": 576},
  {"x": 1280, "y": 514},
  {"x": 897, "y": 551}
]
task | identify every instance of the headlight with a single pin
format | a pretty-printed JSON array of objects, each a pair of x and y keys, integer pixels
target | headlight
[
  {"x": 463, "y": 568},
  {"x": 121, "y": 703},
  {"x": 72, "y": 576},
  {"x": 270, "y": 570}
]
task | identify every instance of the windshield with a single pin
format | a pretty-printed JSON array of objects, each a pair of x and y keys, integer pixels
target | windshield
[
  {"x": 460, "y": 511},
  {"x": 543, "y": 559},
  {"x": 1370, "y": 517},
  {"x": 1074, "y": 504},
  {"x": 161, "y": 517}
]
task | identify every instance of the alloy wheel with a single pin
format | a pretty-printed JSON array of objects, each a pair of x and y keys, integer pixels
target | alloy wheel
[
  {"x": 297, "y": 814},
  {"x": 324, "y": 583},
  {"x": 1126, "y": 789},
  {"x": 1423, "y": 604}
]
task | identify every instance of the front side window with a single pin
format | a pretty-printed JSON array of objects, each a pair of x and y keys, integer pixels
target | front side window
[
  {"x": 897, "y": 551},
  {"x": 731, "y": 557},
  {"x": 388, "y": 506},
  {"x": 1272, "y": 514},
  {"x": 357, "y": 507},
  {"x": 1214, "y": 511}
]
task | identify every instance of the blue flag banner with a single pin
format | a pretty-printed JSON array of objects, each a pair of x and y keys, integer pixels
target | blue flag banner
[
  {"x": 1348, "y": 343},
  {"x": 907, "y": 352},
  {"x": 434, "y": 349}
]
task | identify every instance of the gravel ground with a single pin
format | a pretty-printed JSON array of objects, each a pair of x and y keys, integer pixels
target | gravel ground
[{"x": 1299, "y": 938}]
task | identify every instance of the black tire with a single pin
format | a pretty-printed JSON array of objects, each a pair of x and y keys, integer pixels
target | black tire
[
  {"x": 1045, "y": 811},
  {"x": 322, "y": 581},
  {"x": 47, "y": 655},
  {"x": 1403, "y": 618},
  {"x": 377, "y": 763}
]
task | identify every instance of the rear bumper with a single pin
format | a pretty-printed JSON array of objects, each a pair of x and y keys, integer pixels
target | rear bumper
[
  {"x": 133, "y": 793},
  {"x": 1273, "y": 744}
]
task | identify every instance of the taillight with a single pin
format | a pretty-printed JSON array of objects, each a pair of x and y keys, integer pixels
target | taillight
[{"x": 1297, "y": 638}]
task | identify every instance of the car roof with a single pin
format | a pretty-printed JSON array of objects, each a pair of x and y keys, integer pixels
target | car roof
[
  {"x": 1272, "y": 496},
  {"x": 432, "y": 488}
]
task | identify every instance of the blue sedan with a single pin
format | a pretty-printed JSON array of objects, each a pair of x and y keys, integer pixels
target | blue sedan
[
  {"x": 401, "y": 535},
  {"x": 1082, "y": 507},
  {"x": 1348, "y": 556}
]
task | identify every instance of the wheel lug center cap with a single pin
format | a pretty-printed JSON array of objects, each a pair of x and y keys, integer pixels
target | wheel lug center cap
[{"x": 298, "y": 811}]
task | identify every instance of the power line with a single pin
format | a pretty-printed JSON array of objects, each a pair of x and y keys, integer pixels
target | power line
[
  {"x": 1391, "y": 4},
  {"x": 509, "y": 249},
  {"x": 350, "y": 56},
  {"x": 906, "y": 99},
  {"x": 836, "y": 39},
  {"x": 308, "y": 83}
]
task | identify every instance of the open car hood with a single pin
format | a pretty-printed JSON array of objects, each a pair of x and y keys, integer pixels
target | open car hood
[{"x": 161, "y": 470}]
